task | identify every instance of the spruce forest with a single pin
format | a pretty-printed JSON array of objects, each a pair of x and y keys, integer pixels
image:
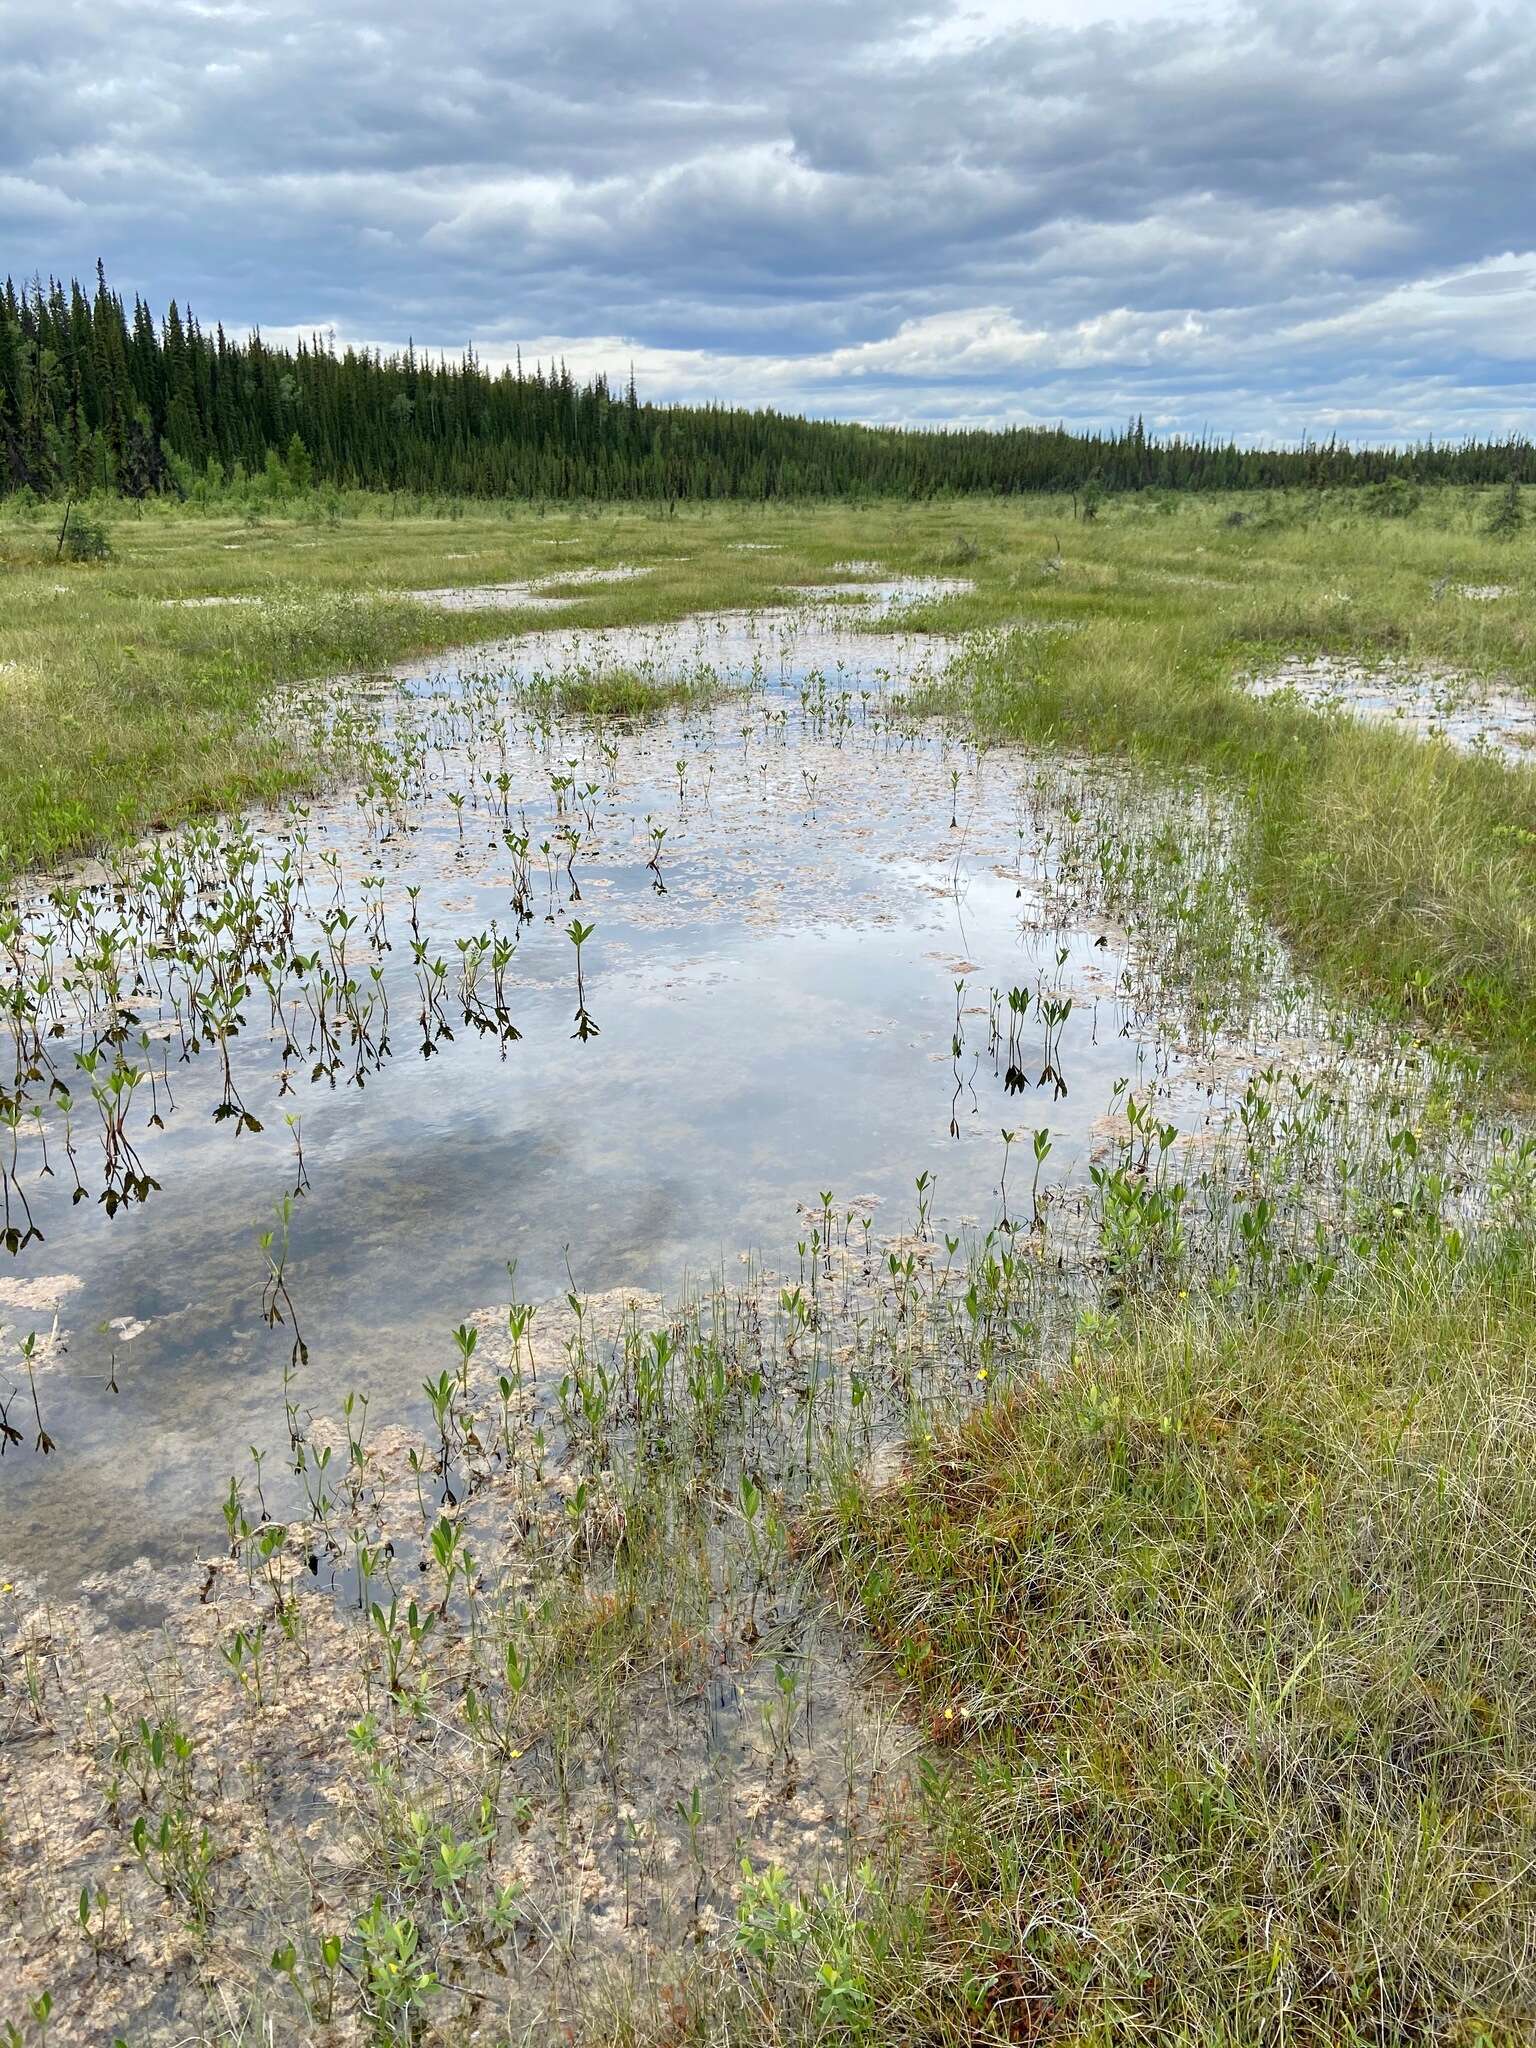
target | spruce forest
[{"x": 95, "y": 398}]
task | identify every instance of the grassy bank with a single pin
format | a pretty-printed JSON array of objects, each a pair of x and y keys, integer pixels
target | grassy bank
[
  {"x": 128, "y": 701},
  {"x": 1403, "y": 870},
  {"x": 1223, "y": 1636}
]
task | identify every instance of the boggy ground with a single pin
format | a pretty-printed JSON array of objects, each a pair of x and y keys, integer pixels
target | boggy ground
[
  {"x": 1391, "y": 867},
  {"x": 1200, "y": 1605}
]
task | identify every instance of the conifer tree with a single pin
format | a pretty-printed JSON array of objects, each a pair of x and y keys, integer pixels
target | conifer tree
[{"x": 95, "y": 396}]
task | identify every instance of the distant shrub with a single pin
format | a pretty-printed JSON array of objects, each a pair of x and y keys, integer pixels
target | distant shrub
[
  {"x": 86, "y": 540},
  {"x": 1394, "y": 499},
  {"x": 1278, "y": 514},
  {"x": 1508, "y": 515},
  {"x": 964, "y": 551},
  {"x": 300, "y": 467}
]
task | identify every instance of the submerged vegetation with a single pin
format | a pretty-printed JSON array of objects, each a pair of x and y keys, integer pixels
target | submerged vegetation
[
  {"x": 1401, "y": 866},
  {"x": 1066, "y": 1576}
]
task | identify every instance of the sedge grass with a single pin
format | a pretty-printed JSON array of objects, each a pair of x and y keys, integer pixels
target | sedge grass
[{"x": 1223, "y": 1637}]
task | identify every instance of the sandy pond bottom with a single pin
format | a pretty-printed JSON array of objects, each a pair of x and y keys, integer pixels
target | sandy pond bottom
[{"x": 746, "y": 1188}]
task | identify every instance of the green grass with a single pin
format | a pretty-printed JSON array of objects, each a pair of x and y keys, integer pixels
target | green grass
[
  {"x": 1226, "y": 1637},
  {"x": 122, "y": 708},
  {"x": 1401, "y": 870},
  {"x": 620, "y": 693},
  {"x": 1404, "y": 871},
  {"x": 1396, "y": 869}
]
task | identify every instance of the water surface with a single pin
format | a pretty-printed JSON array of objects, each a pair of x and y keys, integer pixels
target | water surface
[{"x": 806, "y": 911}]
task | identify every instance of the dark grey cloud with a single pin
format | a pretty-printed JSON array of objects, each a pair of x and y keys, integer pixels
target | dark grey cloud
[{"x": 1263, "y": 217}]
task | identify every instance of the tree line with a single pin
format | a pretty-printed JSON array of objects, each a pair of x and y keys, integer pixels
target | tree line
[{"x": 94, "y": 397}]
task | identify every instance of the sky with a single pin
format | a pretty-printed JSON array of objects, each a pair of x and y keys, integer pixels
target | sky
[{"x": 1265, "y": 219}]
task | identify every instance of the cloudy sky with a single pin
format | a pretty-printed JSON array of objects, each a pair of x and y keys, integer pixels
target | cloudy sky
[{"x": 1268, "y": 218}]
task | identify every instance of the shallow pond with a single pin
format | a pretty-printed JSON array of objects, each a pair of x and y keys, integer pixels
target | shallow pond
[
  {"x": 1473, "y": 715},
  {"x": 539, "y": 595},
  {"x": 806, "y": 913},
  {"x": 649, "y": 1119}
]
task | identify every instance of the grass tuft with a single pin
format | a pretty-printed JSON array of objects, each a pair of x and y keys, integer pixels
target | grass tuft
[
  {"x": 1225, "y": 1633},
  {"x": 620, "y": 693}
]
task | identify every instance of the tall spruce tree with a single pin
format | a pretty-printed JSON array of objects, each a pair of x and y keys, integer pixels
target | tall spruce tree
[{"x": 92, "y": 395}]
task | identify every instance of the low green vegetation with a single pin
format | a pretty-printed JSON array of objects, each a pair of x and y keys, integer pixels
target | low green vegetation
[
  {"x": 619, "y": 693},
  {"x": 132, "y": 689},
  {"x": 1399, "y": 868},
  {"x": 1223, "y": 1637}
]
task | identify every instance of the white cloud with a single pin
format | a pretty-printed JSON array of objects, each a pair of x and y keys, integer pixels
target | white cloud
[
  {"x": 1488, "y": 307},
  {"x": 1242, "y": 215},
  {"x": 34, "y": 199}
]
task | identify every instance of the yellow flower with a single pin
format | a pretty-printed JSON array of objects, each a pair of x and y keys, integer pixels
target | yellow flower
[{"x": 981, "y": 1372}]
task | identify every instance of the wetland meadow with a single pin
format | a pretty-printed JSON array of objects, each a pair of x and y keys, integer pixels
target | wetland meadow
[{"x": 768, "y": 1273}]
